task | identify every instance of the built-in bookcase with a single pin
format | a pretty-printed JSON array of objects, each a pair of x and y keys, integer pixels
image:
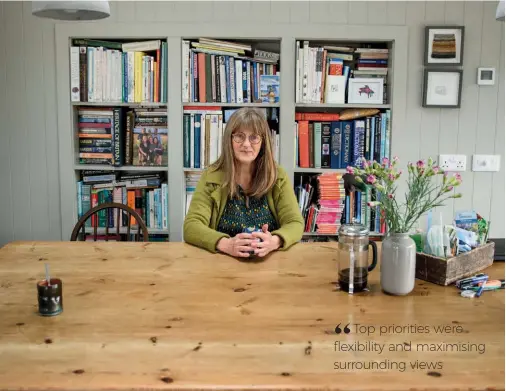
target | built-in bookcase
[
  {"x": 219, "y": 76},
  {"x": 120, "y": 128},
  {"x": 184, "y": 101},
  {"x": 342, "y": 115}
]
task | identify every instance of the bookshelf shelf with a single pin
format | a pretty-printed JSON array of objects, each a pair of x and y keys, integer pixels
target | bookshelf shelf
[
  {"x": 339, "y": 106},
  {"x": 123, "y": 230},
  {"x": 120, "y": 104},
  {"x": 104, "y": 167},
  {"x": 267, "y": 105},
  {"x": 320, "y": 170}
]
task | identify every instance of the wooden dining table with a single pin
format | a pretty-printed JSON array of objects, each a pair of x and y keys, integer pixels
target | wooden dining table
[{"x": 167, "y": 316}]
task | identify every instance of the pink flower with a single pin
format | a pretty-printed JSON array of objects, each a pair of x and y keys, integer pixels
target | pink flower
[
  {"x": 371, "y": 178},
  {"x": 449, "y": 188},
  {"x": 365, "y": 163},
  {"x": 349, "y": 170},
  {"x": 395, "y": 159},
  {"x": 385, "y": 161},
  {"x": 458, "y": 178},
  {"x": 436, "y": 169},
  {"x": 390, "y": 196},
  {"x": 391, "y": 177},
  {"x": 420, "y": 163}
]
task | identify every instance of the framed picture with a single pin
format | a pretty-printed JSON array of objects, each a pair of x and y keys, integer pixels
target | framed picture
[
  {"x": 444, "y": 45},
  {"x": 367, "y": 91},
  {"x": 442, "y": 88}
]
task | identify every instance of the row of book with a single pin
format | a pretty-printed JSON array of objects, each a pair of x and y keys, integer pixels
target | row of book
[
  {"x": 191, "y": 181},
  {"x": 115, "y": 136},
  {"x": 228, "y": 72},
  {"x": 323, "y": 141},
  {"x": 203, "y": 130},
  {"x": 323, "y": 72},
  {"x": 146, "y": 193},
  {"x": 106, "y": 71},
  {"x": 326, "y": 202}
]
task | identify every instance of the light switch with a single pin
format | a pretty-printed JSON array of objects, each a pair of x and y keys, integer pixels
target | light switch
[{"x": 486, "y": 162}]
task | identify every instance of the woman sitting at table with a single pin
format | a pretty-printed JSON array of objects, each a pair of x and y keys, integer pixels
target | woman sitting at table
[{"x": 244, "y": 188}]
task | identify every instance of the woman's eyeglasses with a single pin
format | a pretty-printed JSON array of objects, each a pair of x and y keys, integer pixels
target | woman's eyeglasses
[{"x": 239, "y": 138}]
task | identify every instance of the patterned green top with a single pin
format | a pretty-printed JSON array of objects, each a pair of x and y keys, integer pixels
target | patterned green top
[{"x": 241, "y": 213}]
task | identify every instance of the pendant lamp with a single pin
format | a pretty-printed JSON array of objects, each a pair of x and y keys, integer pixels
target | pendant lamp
[
  {"x": 499, "y": 13},
  {"x": 71, "y": 10}
]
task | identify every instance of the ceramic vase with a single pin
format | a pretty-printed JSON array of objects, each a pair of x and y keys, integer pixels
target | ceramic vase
[{"x": 398, "y": 264}]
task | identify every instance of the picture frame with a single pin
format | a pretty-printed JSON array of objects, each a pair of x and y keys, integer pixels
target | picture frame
[
  {"x": 442, "y": 88},
  {"x": 365, "y": 90},
  {"x": 444, "y": 45}
]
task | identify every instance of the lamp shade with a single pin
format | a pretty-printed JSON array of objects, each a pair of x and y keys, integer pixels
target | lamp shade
[
  {"x": 71, "y": 10},
  {"x": 499, "y": 13}
]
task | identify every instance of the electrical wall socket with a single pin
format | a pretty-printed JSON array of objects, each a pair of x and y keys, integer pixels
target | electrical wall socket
[
  {"x": 486, "y": 162},
  {"x": 452, "y": 162}
]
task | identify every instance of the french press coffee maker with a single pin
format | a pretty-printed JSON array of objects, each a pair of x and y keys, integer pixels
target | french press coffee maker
[{"x": 353, "y": 257}]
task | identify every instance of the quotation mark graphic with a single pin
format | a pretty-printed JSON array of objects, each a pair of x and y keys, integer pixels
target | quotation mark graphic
[{"x": 346, "y": 329}]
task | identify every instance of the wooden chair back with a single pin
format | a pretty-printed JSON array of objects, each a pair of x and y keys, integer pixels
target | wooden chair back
[{"x": 110, "y": 207}]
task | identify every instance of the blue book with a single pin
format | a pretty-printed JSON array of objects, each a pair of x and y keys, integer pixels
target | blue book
[
  {"x": 347, "y": 207},
  {"x": 227, "y": 78},
  {"x": 358, "y": 142},
  {"x": 147, "y": 209},
  {"x": 255, "y": 83},
  {"x": 373, "y": 137},
  {"x": 197, "y": 141},
  {"x": 335, "y": 156},
  {"x": 383, "y": 134},
  {"x": 346, "y": 144}
]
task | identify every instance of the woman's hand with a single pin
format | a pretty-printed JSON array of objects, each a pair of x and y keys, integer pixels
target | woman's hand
[
  {"x": 268, "y": 244},
  {"x": 238, "y": 246}
]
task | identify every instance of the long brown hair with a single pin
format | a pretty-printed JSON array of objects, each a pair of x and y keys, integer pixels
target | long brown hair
[{"x": 265, "y": 173}]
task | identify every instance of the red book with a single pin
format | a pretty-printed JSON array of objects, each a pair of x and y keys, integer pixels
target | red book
[{"x": 304, "y": 144}]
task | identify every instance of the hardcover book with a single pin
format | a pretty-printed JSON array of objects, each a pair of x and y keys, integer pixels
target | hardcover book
[{"x": 150, "y": 146}]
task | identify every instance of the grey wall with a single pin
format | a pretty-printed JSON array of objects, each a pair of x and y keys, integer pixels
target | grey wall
[{"x": 29, "y": 166}]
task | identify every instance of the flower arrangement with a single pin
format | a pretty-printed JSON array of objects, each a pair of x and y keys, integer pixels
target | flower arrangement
[{"x": 425, "y": 189}]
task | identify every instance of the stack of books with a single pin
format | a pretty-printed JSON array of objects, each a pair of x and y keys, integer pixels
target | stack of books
[
  {"x": 321, "y": 202},
  {"x": 331, "y": 203},
  {"x": 95, "y": 135}
]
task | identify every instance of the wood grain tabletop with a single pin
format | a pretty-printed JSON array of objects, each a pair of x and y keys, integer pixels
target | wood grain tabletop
[{"x": 169, "y": 316}]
